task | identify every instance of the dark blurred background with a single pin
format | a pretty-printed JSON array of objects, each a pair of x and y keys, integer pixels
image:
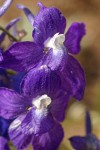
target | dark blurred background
[{"x": 87, "y": 11}]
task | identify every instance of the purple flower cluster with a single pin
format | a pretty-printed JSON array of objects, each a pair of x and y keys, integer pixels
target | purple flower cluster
[{"x": 48, "y": 76}]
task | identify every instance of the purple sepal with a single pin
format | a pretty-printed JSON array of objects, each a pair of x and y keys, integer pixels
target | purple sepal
[
  {"x": 9, "y": 25},
  {"x": 39, "y": 81},
  {"x": 88, "y": 123},
  {"x": 85, "y": 143},
  {"x": 18, "y": 138},
  {"x": 75, "y": 75},
  {"x": 27, "y": 12},
  {"x": 23, "y": 54},
  {"x": 37, "y": 122},
  {"x": 59, "y": 105},
  {"x": 50, "y": 140},
  {"x": 5, "y": 6},
  {"x": 12, "y": 104},
  {"x": 4, "y": 144},
  {"x": 73, "y": 37},
  {"x": 47, "y": 22}
]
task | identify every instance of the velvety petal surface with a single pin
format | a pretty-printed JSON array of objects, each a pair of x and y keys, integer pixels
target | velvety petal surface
[
  {"x": 50, "y": 140},
  {"x": 18, "y": 138},
  {"x": 47, "y": 22},
  {"x": 4, "y": 144},
  {"x": 5, "y": 6},
  {"x": 9, "y": 25},
  {"x": 22, "y": 56},
  {"x": 59, "y": 105},
  {"x": 76, "y": 77},
  {"x": 41, "y": 81},
  {"x": 12, "y": 104},
  {"x": 37, "y": 122},
  {"x": 74, "y": 36}
]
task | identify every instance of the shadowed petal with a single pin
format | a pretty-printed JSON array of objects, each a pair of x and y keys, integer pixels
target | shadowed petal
[
  {"x": 4, "y": 144},
  {"x": 12, "y": 104},
  {"x": 37, "y": 122},
  {"x": 59, "y": 104},
  {"x": 40, "y": 81},
  {"x": 5, "y": 6},
  {"x": 9, "y": 25},
  {"x": 15, "y": 81},
  {"x": 4, "y": 124},
  {"x": 23, "y": 54},
  {"x": 47, "y": 22},
  {"x": 50, "y": 140},
  {"x": 74, "y": 36},
  {"x": 76, "y": 77},
  {"x": 19, "y": 139},
  {"x": 27, "y": 12}
]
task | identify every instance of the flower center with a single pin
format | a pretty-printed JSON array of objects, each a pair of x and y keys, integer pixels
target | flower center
[
  {"x": 42, "y": 102},
  {"x": 56, "y": 42}
]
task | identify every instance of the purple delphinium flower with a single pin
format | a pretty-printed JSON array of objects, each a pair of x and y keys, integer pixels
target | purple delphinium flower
[
  {"x": 50, "y": 47},
  {"x": 5, "y": 6},
  {"x": 88, "y": 142},
  {"x": 38, "y": 110}
]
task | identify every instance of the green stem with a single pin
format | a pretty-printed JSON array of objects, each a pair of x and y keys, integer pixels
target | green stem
[{"x": 10, "y": 35}]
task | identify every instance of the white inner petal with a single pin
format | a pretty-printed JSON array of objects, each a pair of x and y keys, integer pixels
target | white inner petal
[
  {"x": 42, "y": 102},
  {"x": 56, "y": 42}
]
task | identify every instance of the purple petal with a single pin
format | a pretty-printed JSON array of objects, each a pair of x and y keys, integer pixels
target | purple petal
[
  {"x": 12, "y": 104},
  {"x": 19, "y": 139},
  {"x": 78, "y": 143},
  {"x": 27, "y": 12},
  {"x": 1, "y": 56},
  {"x": 55, "y": 60},
  {"x": 85, "y": 143},
  {"x": 23, "y": 54},
  {"x": 59, "y": 104},
  {"x": 74, "y": 36},
  {"x": 5, "y": 6},
  {"x": 48, "y": 22},
  {"x": 37, "y": 122},
  {"x": 40, "y": 81},
  {"x": 4, "y": 144},
  {"x": 9, "y": 25},
  {"x": 76, "y": 77},
  {"x": 88, "y": 123},
  {"x": 50, "y": 140}
]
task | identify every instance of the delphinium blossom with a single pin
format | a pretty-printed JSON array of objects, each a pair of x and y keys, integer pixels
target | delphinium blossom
[
  {"x": 88, "y": 142},
  {"x": 51, "y": 47},
  {"x": 38, "y": 110}
]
